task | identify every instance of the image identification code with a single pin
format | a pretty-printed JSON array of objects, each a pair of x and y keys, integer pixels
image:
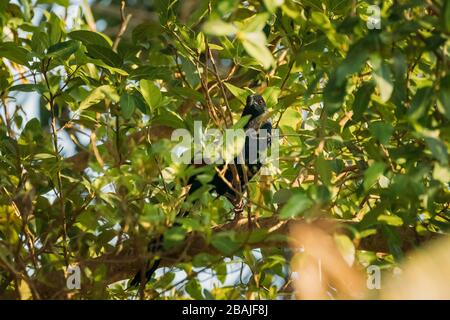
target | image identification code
[{"x": 230, "y": 309}]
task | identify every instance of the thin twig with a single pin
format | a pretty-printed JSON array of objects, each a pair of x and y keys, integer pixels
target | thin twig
[
  {"x": 123, "y": 26},
  {"x": 58, "y": 158}
]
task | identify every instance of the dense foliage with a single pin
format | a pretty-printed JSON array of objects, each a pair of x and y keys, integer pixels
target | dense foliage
[{"x": 364, "y": 127}]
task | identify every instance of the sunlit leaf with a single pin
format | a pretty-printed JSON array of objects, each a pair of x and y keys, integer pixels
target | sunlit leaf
[
  {"x": 151, "y": 93},
  {"x": 372, "y": 174},
  {"x": 90, "y": 37},
  {"x": 99, "y": 94},
  {"x": 295, "y": 206},
  {"x": 127, "y": 105},
  {"x": 219, "y": 28}
]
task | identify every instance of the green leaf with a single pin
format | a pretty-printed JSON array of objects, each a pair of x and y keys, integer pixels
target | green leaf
[
  {"x": 362, "y": 100},
  {"x": 165, "y": 280},
  {"x": 151, "y": 73},
  {"x": 372, "y": 174},
  {"x": 194, "y": 289},
  {"x": 255, "y": 23},
  {"x": 55, "y": 28},
  {"x": 219, "y": 28},
  {"x": 324, "y": 169},
  {"x": 446, "y": 15},
  {"x": 333, "y": 95},
  {"x": 438, "y": 149},
  {"x": 255, "y": 45},
  {"x": 91, "y": 38},
  {"x": 220, "y": 270},
  {"x": 100, "y": 63},
  {"x": 420, "y": 103},
  {"x": 282, "y": 196},
  {"x": 271, "y": 95},
  {"x": 443, "y": 96},
  {"x": 169, "y": 118},
  {"x": 29, "y": 87},
  {"x": 64, "y": 3},
  {"x": 390, "y": 219},
  {"x": 272, "y": 5},
  {"x": 15, "y": 53},
  {"x": 99, "y": 94},
  {"x": 225, "y": 242},
  {"x": 63, "y": 50},
  {"x": 202, "y": 259},
  {"x": 146, "y": 31},
  {"x": 321, "y": 20},
  {"x": 323, "y": 23},
  {"x": 354, "y": 61},
  {"x": 235, "y": 140},
  {"x": 213, "y": 46},
  {"x": 44, "y": 156},
  {"x": 381, "y": 130},
  {"x": 39, "y": 42},
  {"x": 187, "y": 93},
  {"x": 290, "y": 120},
  {"x": 173, "y": 237},
  {"x": 151, "y": 93},
  {"x": 441, "y": 173},
  {"x": 296, "y": 205},
  {"x": 346, "y": 248},
  {"x": 104, "y": 54},
  {"x": 240, "y": 124},
  {"x": 383, "y": 78},
  {"x": 127, "y": 105},
  {"x": 140, "y": 103},
  {"x": 239, "y": 93}
]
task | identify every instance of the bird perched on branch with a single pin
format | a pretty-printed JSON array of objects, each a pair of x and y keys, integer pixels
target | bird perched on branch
[
  {"x": 249, "y": 160},
  {"x": 229, "y": 181}
]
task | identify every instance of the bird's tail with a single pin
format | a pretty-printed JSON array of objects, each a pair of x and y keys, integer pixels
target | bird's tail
[
  {"x": 153, "y": 246},
  {"x": 139, "y": 277}
]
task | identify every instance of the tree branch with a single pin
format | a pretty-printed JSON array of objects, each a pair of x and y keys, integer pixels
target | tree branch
[{"x": 124, "y": 264}]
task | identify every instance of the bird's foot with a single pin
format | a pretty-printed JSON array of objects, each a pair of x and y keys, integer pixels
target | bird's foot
[{"x": 238, "y": 209}]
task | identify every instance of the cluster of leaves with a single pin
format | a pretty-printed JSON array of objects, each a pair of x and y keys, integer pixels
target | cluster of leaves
[{"x": 363, "y": 114}]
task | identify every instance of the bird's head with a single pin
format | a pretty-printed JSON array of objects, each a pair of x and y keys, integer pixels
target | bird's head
[{"x": 255, "y": 106}]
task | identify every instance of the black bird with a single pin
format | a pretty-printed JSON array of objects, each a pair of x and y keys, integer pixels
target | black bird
[
  {"x": 248, "y": 163},
  {"x": 255, "y": 108}
]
